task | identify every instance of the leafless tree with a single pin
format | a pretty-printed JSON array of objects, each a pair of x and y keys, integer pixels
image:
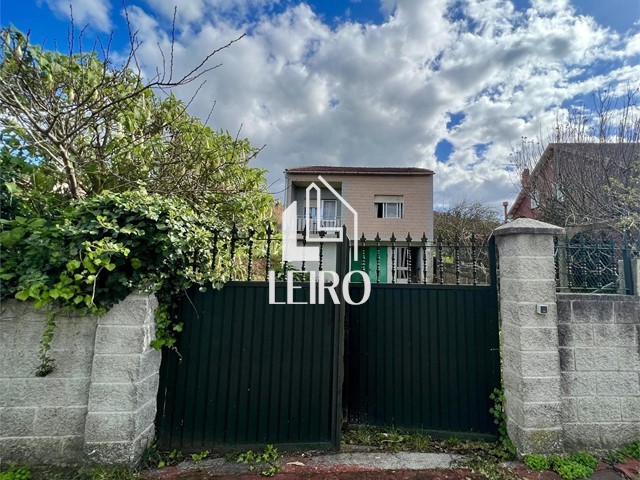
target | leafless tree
[
  {"x": 459, "y": 221},
  {"x": 579, "y": 175}
]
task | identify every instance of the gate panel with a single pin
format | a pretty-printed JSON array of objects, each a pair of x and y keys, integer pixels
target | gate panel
[
  {"x": 423, "y": 357},
  {"x": 251, "y": 373}
]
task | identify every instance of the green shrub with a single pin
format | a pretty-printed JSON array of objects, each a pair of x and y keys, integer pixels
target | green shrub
[
  {"x": 585, "y": 459},
  {"x": 100, "y": 249},
  {"x": 632, "y": 450},
  {"x": 570, "y": 469},
  {"x": 537, "y": 462},
  {"x": 268, "y": 461},
  {"x": 107, "y": 473},
  {"x": 16, "y": 473}
]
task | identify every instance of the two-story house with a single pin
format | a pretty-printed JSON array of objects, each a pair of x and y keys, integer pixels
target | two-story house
[
  {"x": 575, "y": 184},
  {"x": 388, "y": 201}
]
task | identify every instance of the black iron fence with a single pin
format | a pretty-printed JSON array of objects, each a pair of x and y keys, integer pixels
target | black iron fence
[
  {"x": 424, "y": 260},
  {"x": 595, "y": 265},
  {"x": 248, "y": 255}
]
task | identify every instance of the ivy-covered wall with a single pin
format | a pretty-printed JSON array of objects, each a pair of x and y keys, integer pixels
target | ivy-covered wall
[{"x": 99, "y": 402}]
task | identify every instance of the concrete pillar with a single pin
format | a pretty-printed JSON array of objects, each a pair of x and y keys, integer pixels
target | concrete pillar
[
  {"x": 529, "y": 340},
  {"x": 124, "y": 383}
]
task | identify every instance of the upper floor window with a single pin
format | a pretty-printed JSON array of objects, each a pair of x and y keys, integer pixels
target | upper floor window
[
  {"x": 534, "y": 200},
  {"x": 388, "y": 206}
]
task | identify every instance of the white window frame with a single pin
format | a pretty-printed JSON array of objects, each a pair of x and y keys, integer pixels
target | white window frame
[
  {"x": 385, "y": 209},
  {"x": 335, "y": 209}
]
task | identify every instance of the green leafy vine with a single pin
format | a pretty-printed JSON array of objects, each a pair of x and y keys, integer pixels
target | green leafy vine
[{"x": 99, "y": 250}]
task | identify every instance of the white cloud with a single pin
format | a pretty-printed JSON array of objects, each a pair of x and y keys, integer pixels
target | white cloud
[
  {"x": 92, "y": 12},
  {"x": 367, "y": 94}
]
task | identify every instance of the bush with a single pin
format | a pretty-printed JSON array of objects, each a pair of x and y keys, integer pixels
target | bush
[
  {"x": 537, "y": 462},
  {"x": 632, "y": 450},
  {"x": 98, "y": 250},
  {"x": 572, "y": 467},
  {"x": 16, "y": 473},
  {"x": 585, "y": 459}
]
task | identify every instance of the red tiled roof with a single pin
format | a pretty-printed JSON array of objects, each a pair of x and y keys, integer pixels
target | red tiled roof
[{"x": 354, "y": 170}]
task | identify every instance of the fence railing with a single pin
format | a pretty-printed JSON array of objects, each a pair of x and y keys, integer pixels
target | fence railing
[
  {"x": 385, "y": 260},
  {"x": 317, "y": 224},
  {"x": 426, "y": 261},
  {"x": 601, "y": 265}
]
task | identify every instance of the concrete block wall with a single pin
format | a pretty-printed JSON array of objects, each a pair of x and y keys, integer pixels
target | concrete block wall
[
  {"x": 530, "y": 356},
  {"x": 600, "y": 369},
  {"x": 97, "y": 405},
  {"x": 571, "y": 375},
  {"x": 43, "y": 418}
]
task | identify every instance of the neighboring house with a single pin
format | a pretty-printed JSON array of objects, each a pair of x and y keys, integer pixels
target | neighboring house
[
  {"x": 573, "y": 184},
  {"x": 388, "y": 201}
]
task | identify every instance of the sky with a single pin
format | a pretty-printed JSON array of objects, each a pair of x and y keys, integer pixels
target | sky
[{"x": 449, "y": 85}]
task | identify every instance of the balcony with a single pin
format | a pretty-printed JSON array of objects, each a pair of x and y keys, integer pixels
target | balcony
[{"x": 318, "y": 224}]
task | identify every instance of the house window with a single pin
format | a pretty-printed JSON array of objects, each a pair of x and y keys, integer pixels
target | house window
[
  {"x": 388, "y": 206},
  {"x": 558, "y": 193},
  {"x": 329, "y": 211},
  {"x": 534, "y": 200}
]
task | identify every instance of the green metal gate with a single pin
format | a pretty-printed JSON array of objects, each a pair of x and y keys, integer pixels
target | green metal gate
[
  {"x": 251, "y": 373},
  {"x": 418, "y": 356},
  {"x": 423, "y": 357}
]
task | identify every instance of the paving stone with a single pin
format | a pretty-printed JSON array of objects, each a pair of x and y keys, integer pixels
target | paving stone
[{"x": 606, "y": 475}]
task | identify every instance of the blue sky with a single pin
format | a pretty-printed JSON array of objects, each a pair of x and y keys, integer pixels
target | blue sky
[{"x": 449, "y": 85}]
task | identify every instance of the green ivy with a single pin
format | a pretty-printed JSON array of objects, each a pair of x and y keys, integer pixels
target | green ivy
[
  {"x": 537, "y": 462},
  {"x": 576, "y": 465},
  {"x": 570, "y": 467},
  {"x": 99, "y": 250},
  {"x": 500, "y": 419},
  {"x": 268, "y": 461},
  {"x": 16, "y": 473}
]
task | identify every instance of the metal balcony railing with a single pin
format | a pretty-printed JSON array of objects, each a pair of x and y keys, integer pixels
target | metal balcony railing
[{"x": 316, "y": 224}]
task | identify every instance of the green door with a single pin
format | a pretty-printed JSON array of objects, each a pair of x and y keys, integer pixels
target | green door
[{"x": 370, "y": 264}]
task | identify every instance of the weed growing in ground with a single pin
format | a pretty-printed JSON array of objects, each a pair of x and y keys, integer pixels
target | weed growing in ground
[
  {"x": 488, "y": 467},
  {"x": 572, "y": 467},
  {"x": 395, "y": 439},
  {"x": 198, "y": 457},
  {"x": 632, "y": 450},
  {"x": 172, "y": 458},
  {"x": 107, "y": 473},
  {"x": 268, "y": 461},
  {"x": 613, "y": 457},
  {"x": 537, "y": 462},
  {"x": 16, "y": 473},
  {"x": 569, "y": 467}
]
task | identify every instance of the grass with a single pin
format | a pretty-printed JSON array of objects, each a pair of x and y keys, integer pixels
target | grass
[{"x": 93, "y": 472}]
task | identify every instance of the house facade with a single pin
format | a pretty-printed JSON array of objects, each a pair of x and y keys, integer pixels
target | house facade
[
  {"x": 388, "y": 201},
  {"x": 574, "y": 184}
]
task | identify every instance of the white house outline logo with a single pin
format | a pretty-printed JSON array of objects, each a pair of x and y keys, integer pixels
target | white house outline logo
[{"x": 291, "y": 251}]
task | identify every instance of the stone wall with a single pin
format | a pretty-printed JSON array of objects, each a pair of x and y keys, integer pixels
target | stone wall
[
  {"x": 600, "y": 369},
  {"x": 570, "y": 361},
  {"x": 97, "y": 405}
]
